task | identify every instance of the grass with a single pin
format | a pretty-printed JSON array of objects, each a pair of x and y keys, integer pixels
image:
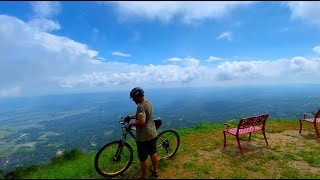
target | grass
[{"x": 201, "y": 155}]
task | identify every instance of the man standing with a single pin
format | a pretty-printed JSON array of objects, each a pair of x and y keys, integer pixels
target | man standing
[{"x": 146, "y": 134}]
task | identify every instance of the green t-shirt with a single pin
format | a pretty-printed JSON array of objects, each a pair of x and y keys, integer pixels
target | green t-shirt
[{"x": 148, "y": 131}]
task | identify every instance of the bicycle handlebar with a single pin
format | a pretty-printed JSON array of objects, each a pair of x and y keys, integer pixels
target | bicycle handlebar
[{"x": 122, "y": 122}]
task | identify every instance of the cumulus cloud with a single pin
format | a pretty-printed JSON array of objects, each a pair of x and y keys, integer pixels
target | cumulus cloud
[
  {"x": 174, "y": 59},
  {"x": 121, "y": 54},
  {"x": 213, "y": 58},
  {"x": 225, "y": 35},
  {"x": 30, "y": 56},
  {"x": 44, "y": 24},
  {"x": 305, "y": 11},
  {"x": 188, "y": 61},
  {"x": 43, "y": 12},
  {"x": 316, "y": 49},
  {"x": 46, "y": 8},
  {"x": 296, "y": 70},
  {"x": 186, "y": 11},
  {"x": 35, "y": 62}
]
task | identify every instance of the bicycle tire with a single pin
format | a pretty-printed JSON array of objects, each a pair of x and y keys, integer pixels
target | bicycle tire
[
  {"x": 168, "y": 143},
  {"x": 107, "y": 164}
]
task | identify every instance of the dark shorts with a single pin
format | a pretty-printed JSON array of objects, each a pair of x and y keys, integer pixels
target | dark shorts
[{"x": 146, "y": 148}]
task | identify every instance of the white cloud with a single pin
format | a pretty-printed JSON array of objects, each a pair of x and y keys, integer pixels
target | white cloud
[
  {"x": 46, "y": 9},
  {"x": 121, "y": 54},
  {"x": 186, "y": 11},
  {"x": 225, "y": 35},
  {"x": 316, "y": 49},
  {"x": 305, "y": 11},
  {"x": 188, "y": 61},
  {"x": 213, "y": 58},
  {"x": 295, "y": 70},
  {"x": 36, "y": 62},
  {"x": 174, "y": 59},
  {"x": 44, "y": 24},
  {"x": 32, "y": 58},
  {"x": 14, "y": 91},
  {"x": 43, "y": 11}
]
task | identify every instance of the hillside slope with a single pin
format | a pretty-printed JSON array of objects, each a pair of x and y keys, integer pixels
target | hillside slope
[{"x": 201, "y": 155}]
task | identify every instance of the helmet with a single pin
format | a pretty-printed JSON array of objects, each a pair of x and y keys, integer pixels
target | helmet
[{"x": 137, "y": 91}]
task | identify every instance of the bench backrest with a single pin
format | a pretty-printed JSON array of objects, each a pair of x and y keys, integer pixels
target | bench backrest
[
  {"x": 317, "y": 115},
  {"x": 253, "y": 121}
]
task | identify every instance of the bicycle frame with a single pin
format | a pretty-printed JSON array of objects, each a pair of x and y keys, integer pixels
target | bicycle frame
[
  {"x": 124, "y": 138},
  {"x": 122, "y": 152}
]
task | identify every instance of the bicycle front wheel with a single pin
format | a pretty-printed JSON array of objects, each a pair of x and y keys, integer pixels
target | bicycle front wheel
[
  {"x": 113, "y": 159},
  {"x": 167, "y": 144}
]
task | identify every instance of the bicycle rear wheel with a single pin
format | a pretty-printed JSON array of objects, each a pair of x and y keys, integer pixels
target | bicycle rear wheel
[
  {"x": 113, "y": 159},
  {"x": 167, "y": 143}
]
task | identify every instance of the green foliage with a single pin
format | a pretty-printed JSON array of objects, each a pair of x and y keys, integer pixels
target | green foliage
[
  {"x": 2, "y": 174},
  {"x": 72, "y": 154},
  {"x": 22, "y": 172},
  {"x": 18, "y": 173},
  {"x": 67, "y": 155}
]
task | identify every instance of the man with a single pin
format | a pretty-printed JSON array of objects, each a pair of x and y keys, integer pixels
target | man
[{"x": 146, "y": 134}]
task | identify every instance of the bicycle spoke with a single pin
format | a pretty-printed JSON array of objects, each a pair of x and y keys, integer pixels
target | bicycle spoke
[
  {"x": 109, "y": 163},
  {"x": 167, "y": 144}
]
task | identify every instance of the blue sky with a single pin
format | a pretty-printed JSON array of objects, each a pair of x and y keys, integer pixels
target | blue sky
[{"x": 66, "y": 47}]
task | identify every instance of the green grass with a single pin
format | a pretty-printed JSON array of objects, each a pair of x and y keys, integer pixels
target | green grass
[
  {"x": 189, "y": 165},
  {"x": 201, "y": 155}
]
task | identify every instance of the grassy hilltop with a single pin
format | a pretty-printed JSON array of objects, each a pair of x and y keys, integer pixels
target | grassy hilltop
[{"x": 201, "y": 155}]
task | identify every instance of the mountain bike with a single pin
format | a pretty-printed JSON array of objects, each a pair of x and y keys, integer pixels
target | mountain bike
[{"x": 116, "y": 157}]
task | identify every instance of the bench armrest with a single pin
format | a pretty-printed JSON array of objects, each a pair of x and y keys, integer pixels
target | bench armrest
[{"x": 305, "y": 115}]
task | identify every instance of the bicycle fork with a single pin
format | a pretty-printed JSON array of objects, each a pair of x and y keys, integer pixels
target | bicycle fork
[{"x": 117, "y": 156}]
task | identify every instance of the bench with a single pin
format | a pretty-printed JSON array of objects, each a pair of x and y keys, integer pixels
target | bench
[
  {"x": 314, "y": 120},
  {"x": 245, "y": 126}
]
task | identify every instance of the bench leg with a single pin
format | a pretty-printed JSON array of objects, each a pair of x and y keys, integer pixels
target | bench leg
[
  {"x": 300, "y": 125},
  {"x": 316, "y": 128},
  {"x": 225, "y": 139},
  {"x": 238, "y": 139},
  {"x": 264, "y": 135}
]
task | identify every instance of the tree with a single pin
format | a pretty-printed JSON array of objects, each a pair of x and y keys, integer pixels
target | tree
[{"x": 2, "y": 174}]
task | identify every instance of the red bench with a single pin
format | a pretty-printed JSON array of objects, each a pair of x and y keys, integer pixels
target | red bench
[
  {"x": 247, "y": 125},
  {"x": 314, "y": 120}
]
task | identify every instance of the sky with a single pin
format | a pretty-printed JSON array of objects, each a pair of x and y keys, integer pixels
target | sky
[{"x": 58, "y": 47}]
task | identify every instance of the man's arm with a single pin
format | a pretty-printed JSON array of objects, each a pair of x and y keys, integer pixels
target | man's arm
[
  {"x": 139, "y": 122},
  {"x": 140, "y": 117}
]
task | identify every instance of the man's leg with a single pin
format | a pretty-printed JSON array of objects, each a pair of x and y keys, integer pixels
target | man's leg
[
  {"x": 144, "y": 169},
  {"x": 154, "y": 160},
  {"x": 143, "y": 157}
]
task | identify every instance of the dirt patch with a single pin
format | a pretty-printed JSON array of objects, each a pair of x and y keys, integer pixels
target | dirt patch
[
  {"x": 206, "y": 155},
  {"x": 304, "y": 166}
]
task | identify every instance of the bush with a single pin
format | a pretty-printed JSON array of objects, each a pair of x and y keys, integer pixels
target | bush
[
  {"x": 72, "y": 154},
  {"x": 17, "y": 173},
  {"x": 2, "y": 174}
]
